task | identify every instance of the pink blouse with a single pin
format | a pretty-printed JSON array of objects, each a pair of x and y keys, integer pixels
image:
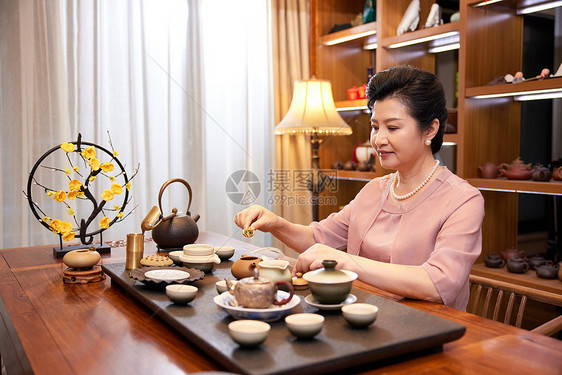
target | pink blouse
[{"x": 440, "y": 231}]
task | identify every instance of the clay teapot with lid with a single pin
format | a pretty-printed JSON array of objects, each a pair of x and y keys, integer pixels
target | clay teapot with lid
[
  {"x": 172, "y": 231},
  {"x": 517, "y": 265},
  {"x": 494, "y": 261},
  {"x": 512, "y": 253},
  {"x": 488, "y": 170},
  {"x": 548, "y": 270},
  {"x": 536, "y": 261},
  {"x": 257, "y": 292},
  {"x": 516, "y": 170},
  {"x": 541, "y": 173}
]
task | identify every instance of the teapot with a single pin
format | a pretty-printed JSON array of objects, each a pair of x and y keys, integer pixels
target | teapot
[
  {"x": 489, "y": 170},
  {"x": 517, "y": 170},
  {"x": 517, "y": 265},
  {"x": 244, "y": 266},
  {"x": 541, "y": 173},
  {"x": 536, "y": 261},
  {"x": 175, "y": 231},
  {"x": 494, "y": 261},
  {"x": 560, "y": 271},
  {"x": 548, "y": 270},
  {"x": 557, "y": 173},
  {"x": 512, "y": 253},
  {"x": 257, "y": 292}
]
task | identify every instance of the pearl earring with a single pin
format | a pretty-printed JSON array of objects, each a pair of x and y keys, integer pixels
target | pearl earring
[{"x": 428, "y": 142}]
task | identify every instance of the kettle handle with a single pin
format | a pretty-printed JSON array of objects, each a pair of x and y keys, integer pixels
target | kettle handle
[{"x": 166, "y": 185}]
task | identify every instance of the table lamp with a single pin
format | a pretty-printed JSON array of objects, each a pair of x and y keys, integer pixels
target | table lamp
[{"x": 313, "y": 112}]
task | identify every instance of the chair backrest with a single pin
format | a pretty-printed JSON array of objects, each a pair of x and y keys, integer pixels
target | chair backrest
[{"x": 487, "y": 298}]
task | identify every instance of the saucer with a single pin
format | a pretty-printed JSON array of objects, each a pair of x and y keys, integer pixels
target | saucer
[{"x": 312, "y": 302}]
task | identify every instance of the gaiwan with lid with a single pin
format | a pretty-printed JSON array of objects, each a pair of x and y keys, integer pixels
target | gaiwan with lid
[{"x": 328, "y": 285}]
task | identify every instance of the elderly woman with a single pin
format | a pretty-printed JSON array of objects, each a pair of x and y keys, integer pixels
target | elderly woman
[{"x": 415, "y": 232}]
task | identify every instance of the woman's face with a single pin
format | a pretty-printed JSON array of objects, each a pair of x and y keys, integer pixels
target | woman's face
[{"x": 395, "y": 135}]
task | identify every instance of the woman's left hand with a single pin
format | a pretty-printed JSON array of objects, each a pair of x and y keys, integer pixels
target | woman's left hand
[{"x": 312, "y": 258}]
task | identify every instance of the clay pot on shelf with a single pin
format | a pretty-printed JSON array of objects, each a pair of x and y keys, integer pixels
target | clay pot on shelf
[
  {"x": 517, "y": 265},
  {"x": 536, "y": 261},
  {"x": 494, "y": 261},
  {"x": 560, "y": 271},
  {"x": 338, "y": 164},
  {"x": 350, "y": 165},
  {"x": 541, "y": 173},
  {"x": 557, "y": 174},
  {"x": 488, "y": 170},
  {"x": 548, "y": 271},
  {"x": 513, "y": 253},
  {"x": 516, "y": 170}
]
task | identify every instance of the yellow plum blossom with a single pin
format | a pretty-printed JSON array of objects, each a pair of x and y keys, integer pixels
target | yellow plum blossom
[
  {"x": 107, "y": 167},
  {"x": 75, "y": 168},
  {"x": 128, "y": 186},
  {"x": 46, "y": 219},
  {"x": 68, "y": 147},
  {"x": 116, "y": 207},
  {"x": 74, "y": 185},
  {"x": 55, "y": 225},
  {"x": 67, "y": 171},
  {"x": 72, "y": 194},
  {"x": 92, "y": 178},
  {"x": 115, "y": 154},
  {"x": 120, "y": 214},
  {"x": 107, "y": 195},
  {"x": 116, "y": 189},
  {"x": 70, "y": 211},
  {"x": 104, "y": 222},
  {"x": 111, "y": 178},
  {"x": 89, "y": 152},
  {"x": 81, "y": 194},
  {"x": 50, "y": 193},
  {"x": 94, "y": 164},
  {"x": 68, "y": 236},
  {"x": 60, "y": 196},
  {"x": 65, "y": 227}
]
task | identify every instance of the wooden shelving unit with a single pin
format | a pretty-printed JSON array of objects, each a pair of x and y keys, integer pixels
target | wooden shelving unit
[{"x": 488, "y": 117}]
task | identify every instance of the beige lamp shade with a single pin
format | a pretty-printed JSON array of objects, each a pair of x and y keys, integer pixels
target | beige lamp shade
[{"x": 313, "y": 111}]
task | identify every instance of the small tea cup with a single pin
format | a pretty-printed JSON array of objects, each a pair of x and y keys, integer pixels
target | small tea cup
[
  {"x": 248, "y": 332},
  {"x": 181, "y": 294},
  {"x": 305, "y": 325},
  {"x": 360, "y": 315},
  {"x": 175, "y": 256},
  {"x": 224, "y": 252},
  {"x": 221, "y": 285}
]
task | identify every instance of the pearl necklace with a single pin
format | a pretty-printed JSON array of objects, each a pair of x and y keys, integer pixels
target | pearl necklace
[{"x": 402, "y": 197}]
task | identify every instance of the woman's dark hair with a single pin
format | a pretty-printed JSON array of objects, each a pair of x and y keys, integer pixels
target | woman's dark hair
[{"x": 421, "y": 92}]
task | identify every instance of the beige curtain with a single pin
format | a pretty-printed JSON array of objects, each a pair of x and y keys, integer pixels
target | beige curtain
[{"x": 292, "y": 152}]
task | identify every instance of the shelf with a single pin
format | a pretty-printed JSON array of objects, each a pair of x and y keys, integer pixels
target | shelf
[
  {"x": 517, "y": 186},
  {"x": 521, "y": 6},
  {"x": 550, "y": 85},
  {"x": 340, "y": 174},
  {"x": 351, "y": 105},
  {"x": 528, "y": 279},
  {"x": 422, "y": 36},
  {"x": 347, "y": 35},
  {"x": 451, "y": 138}
]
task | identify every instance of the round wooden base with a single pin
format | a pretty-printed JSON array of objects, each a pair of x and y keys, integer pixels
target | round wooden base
[{"x": 77, "y": 276}]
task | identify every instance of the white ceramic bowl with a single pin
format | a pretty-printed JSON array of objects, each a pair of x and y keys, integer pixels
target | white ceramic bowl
[
  {"x": 305, "y": 326},
  {"x": 248, "y": 332},
  {"x": 221, "y": 285},
  {"x": 204, "y": 263},
  {"x": 175, "y": 256},
  {"x": 181, "y": 294},
  {"x": 360, "y": 315},
  {"x": 224, "y": 252},
  {"x": 198, "y": 249}
]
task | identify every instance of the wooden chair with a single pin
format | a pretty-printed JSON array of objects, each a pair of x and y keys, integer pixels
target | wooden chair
[{"x": 487, "y": 293}]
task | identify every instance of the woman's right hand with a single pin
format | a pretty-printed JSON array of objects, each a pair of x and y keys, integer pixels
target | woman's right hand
[{"x": 256, "y": 217}]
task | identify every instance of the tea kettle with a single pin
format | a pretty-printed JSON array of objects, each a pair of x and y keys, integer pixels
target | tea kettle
[{"x": 172, "y": 231}]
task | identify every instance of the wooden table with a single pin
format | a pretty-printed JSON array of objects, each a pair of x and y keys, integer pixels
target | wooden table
[{"x": 48, "y": 327}]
